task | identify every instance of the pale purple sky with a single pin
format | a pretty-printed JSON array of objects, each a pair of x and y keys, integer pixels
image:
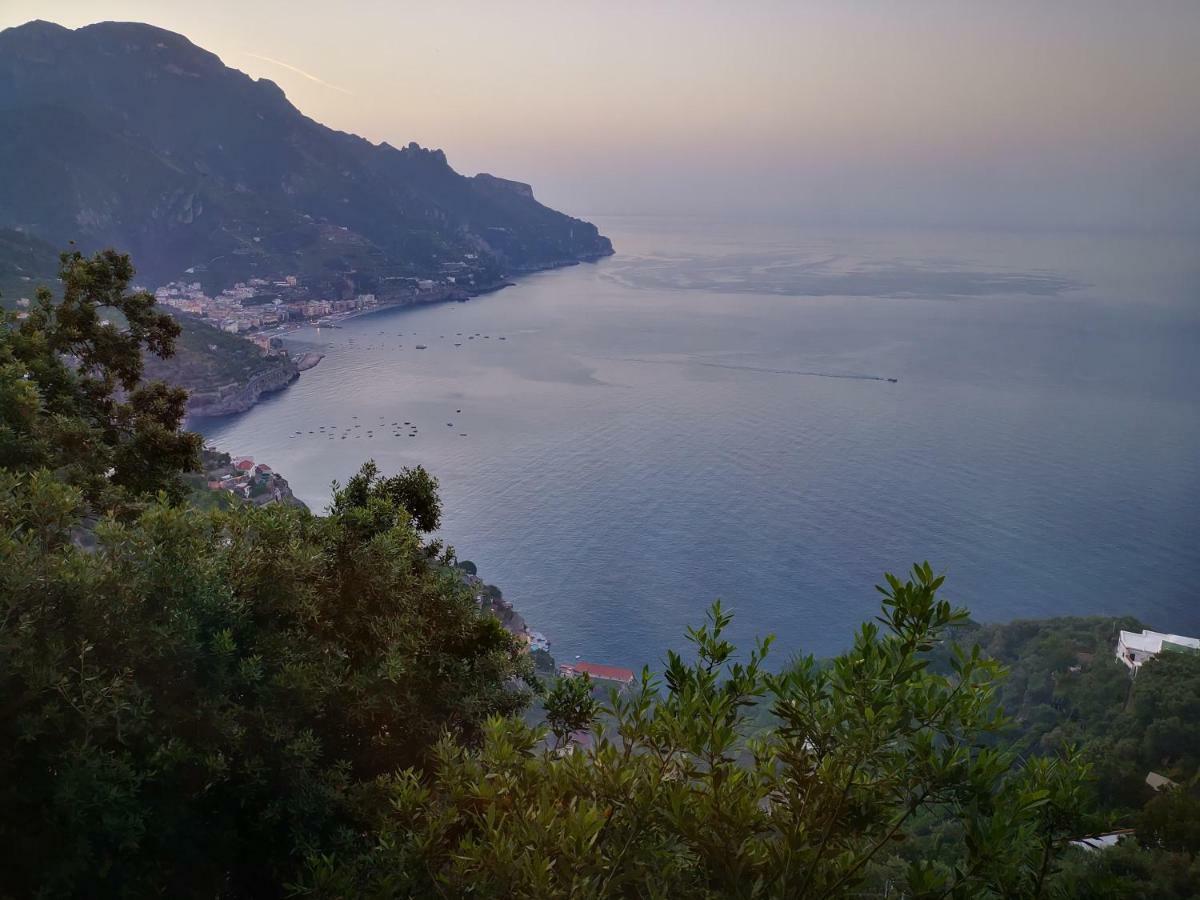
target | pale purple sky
[{"x": 1019, "y": 113}]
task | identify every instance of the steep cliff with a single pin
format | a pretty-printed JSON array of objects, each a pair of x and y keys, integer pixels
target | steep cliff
[{"x": 238, "y": 396}]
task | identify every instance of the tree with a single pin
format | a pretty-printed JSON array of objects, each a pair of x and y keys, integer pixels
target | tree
[
  {"x": 1171, "y": 821},
  {"x": 1128, "y": 870},
  {"x": 675, "y": 799},
  {"x": 191, "y": 703},
  {"x": 412, "y": 489},
  {"x": 71, "y": 392},
  {"x": 205, "y": 696},
  {"x": 570, "y": 707}
]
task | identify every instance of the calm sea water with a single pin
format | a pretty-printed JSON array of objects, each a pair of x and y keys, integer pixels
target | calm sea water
[{"x": 707, "y": 414}]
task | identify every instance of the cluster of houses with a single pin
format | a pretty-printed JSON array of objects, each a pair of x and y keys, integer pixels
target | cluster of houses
[
  {"x": 256, "y": 483},
  {"x": 254, "y": 304}
]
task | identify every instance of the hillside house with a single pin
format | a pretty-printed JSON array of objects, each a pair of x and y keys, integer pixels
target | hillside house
[
  {"x": 1134, "y": 649},
  {"x": 1102, "y": 841},
  {"x": 1159, "y": 782}
]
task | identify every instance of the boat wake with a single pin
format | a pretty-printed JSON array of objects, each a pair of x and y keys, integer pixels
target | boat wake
[{"x": 763, "y": 369}]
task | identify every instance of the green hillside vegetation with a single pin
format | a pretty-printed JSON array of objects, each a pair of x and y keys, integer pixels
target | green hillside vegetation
[
  {"x": 1065, "y": 688},
  {"x": 207, "y": 358},
  {"x": 267, "y": 703}
]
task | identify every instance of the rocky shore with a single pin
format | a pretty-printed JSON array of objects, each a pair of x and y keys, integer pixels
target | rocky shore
[
  {"x": 491, "y": 599},
  {"x": 308, "y": 361},
  {"x": 238, "y": 397}
]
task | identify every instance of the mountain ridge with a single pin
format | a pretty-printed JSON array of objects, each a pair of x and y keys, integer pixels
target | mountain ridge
[{"x": 130, "y": 135}]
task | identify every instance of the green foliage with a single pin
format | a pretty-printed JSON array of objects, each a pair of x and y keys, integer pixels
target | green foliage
[
  {"x": 570, "y": 707},
  {"x": 1129, "y": 871},
  {"x": 675, "y": 800},
  {"x": 413, "y": 490},
  {"x": 206, "y": 695},
  {"x": 543, "y": 662},
  {"x": 1065, "y": 688},
  {"x": 72, "y": 397},
  {"x": 192, "y": 700},
  {"x": 1165, "y": 707},
  {"x": 1171, "y": 821}
]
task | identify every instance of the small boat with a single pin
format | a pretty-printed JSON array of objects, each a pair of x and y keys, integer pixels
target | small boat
[{"x": 422, "y": 347}]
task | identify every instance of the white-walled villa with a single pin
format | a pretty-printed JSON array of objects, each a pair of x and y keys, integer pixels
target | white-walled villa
[{"x": 1133, "y": 649}]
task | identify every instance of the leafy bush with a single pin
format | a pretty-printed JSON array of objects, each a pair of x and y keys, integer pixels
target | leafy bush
[
  {"x": 200, "y": 698},
  {"x": 674, "y": 800}
]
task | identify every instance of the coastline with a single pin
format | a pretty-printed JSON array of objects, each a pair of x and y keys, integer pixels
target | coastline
[{"x": 234, "y": 399}]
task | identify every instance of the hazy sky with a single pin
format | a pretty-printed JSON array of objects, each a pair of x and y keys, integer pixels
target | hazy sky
[{"x": 1004, "y": 113}]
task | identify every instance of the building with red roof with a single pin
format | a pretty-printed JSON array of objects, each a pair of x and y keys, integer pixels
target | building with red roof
[{"x": 598, "y": 672}]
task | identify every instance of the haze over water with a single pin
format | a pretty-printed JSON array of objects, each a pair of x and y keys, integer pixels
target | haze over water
[{"x": 708, "y": 414}]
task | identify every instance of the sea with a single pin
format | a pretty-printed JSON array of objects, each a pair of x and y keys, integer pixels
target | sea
[{"x": 776, "y": 416}]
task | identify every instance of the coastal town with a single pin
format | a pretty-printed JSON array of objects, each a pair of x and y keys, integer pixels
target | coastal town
[{"x": 258, "y": 305}]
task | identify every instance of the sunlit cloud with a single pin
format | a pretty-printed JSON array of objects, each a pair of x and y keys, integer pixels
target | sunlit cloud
[{"x": 299, "y": 71}]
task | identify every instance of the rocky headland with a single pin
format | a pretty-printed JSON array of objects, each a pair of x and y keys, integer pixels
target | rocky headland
[{"x": 237, "y": 397}]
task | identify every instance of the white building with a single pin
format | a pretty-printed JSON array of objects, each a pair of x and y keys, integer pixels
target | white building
[
  {"x": 1133, "y": 649},
  {"x": 1159, "y": 782},
  {"x": 1102, "y": 841}
]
